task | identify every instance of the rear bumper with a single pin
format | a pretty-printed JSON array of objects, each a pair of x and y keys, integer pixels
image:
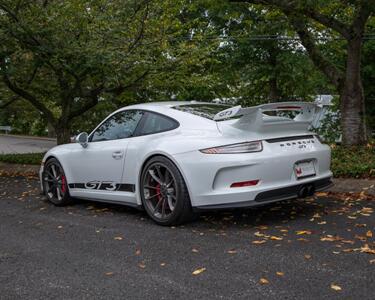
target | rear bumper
[
  {"x": 209, "y": 177},
  {"x": 279, "y": 194}
]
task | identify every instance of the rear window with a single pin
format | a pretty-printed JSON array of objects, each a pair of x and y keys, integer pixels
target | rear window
[
  {"x": 203, "y": 110},
  {"x": 155, "y": 123}
]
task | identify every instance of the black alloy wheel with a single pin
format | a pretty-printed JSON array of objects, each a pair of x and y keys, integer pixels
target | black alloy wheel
[
  {"x": 55, "y": 184},
  {"x": 164, "y": 193}
]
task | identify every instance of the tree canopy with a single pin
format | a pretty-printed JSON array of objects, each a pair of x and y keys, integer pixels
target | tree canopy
[{"x": 66, "y": 64}]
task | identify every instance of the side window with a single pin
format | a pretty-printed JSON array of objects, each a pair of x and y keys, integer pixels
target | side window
[
  {"x": 155, "y": 123},
  {"x": 121, "y": 125}
]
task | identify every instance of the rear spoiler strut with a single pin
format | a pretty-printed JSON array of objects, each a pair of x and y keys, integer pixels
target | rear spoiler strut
[{"x": 253, "y": 117}]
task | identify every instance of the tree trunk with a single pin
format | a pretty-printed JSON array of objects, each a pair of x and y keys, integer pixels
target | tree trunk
[
  {"x": 274, "y": 93},
  {"x": 63, "y": 134},
  {"x": 352, "y": 98},
  {"x": 51, "y": 130}
]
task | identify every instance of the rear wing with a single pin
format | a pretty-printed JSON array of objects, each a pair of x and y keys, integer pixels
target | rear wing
[{"x": 254, "y": 119}]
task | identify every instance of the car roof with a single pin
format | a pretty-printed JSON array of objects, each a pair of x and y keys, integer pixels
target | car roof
[
  {"x": 166, "y": 107},
  {"x": 173, "y": 103}
]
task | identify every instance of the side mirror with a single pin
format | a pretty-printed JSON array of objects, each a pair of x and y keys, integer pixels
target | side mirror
[{"x": 83, "y": 139}]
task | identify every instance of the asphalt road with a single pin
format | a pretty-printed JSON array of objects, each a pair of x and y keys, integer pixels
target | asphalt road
[
  {"x": 19, "y": 144},
  {"x": 101, "y": 251}
]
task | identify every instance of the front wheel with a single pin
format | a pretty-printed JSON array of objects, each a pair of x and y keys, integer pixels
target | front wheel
[
  {"x": 164, "y": 193},
  {"x": 54, "y": 183}
]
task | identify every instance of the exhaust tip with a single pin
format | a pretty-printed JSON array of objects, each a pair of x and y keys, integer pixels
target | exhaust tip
[
  {"x": 310, "y": 190},
  {"x": 306, "y": 190},
  {"x": 303, "y": 192}
]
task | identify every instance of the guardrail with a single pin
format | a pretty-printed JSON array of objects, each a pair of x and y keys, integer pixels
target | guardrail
[{"x": 7, "y": 129}]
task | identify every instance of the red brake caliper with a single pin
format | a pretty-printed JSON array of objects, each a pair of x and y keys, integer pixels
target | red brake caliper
[
  {"x": 63, "y": 184},
  {"x": 158, "y": 192}
]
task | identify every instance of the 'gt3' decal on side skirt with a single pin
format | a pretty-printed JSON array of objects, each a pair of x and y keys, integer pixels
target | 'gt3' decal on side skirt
[{"x": 104, "y": 185}]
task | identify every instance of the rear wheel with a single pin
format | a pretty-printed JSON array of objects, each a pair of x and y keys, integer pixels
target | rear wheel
[
  {"x": 164, "y": 193},
  {"x": 54, "y": 183}
]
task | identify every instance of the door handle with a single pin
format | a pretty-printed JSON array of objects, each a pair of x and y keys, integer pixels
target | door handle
[{"x": 117, "y": 154}]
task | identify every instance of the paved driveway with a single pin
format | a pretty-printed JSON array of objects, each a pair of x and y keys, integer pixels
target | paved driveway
[
  {"x": 18, "y": 144},
  {"x": 319, "y": 248}
]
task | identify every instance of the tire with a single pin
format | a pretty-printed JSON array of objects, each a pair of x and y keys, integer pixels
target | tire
[
  {"x": 55, "y": 185},
  {"x": 164, "y": 194}
]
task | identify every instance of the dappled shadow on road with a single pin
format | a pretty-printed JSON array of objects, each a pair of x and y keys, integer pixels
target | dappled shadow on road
[
  {"x": 271, "y": 215},
  {"x": 268, "y": 215},
  {"x": 275, "y": 215}
]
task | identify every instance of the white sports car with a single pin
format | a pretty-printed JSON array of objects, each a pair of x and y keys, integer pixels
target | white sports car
[{"x": 176, "y": 158}]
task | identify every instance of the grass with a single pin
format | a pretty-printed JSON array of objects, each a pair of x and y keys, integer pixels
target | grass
[
  {"x": 27, "y": 159},
  {"x": 354, "y": 162}
]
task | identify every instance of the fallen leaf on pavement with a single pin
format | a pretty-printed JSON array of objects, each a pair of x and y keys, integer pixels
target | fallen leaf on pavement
[
  {"x": 367, "y": 249},
  {"x": 232, "y": 251},
  {"x": 329, "y": 238},
  {"x": 142, "y": 265},
  {"x": 109, "y": 273},
  {"x": 360, "y": 225},
  {"x": 280, "y": 273},
  {"x": 336, "y": 287},
  {"x": 307, "y": 256},
  {"x": 367, "y": 210},
  {"x": 299, "y": 232},
  {"x": 258, "y": 234},
  {"x": 198, "y": 271},
  {"x": 118, "y": 238},
  {"x": 302, "y": 240},
  {"x": 276, "y": 238},
  {"x": 347, "y": 242},
  {"x": 258, "y": 242},
  {"x": 360, "y": 237},
  {"x": 369, "y": 234},
  {"x": 263, "y": 281},
  {"x": 321, "y": 194}
]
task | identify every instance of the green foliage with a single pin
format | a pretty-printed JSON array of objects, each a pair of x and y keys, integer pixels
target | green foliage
[
  {"x": 84, "y": 59},
  {"x": 65, "y": 57},
  {"x": 27, "y": 158},
  {"x": 358, "y": 162},
  {"x": 329, "y": 129}
]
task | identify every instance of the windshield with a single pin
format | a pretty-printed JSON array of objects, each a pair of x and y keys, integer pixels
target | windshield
[{"x": 203, "y": 110}]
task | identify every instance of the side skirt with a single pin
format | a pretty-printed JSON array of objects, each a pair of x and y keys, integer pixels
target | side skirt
[{"x": 130, "y": 204}]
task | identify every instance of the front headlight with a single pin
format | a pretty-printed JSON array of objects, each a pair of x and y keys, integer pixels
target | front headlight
[{"x": 246, "y": 147}]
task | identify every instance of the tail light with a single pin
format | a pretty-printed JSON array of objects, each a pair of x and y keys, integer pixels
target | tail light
[
  {"x": 246, "y": 147},
  {"x": 244, "y": 183}
]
